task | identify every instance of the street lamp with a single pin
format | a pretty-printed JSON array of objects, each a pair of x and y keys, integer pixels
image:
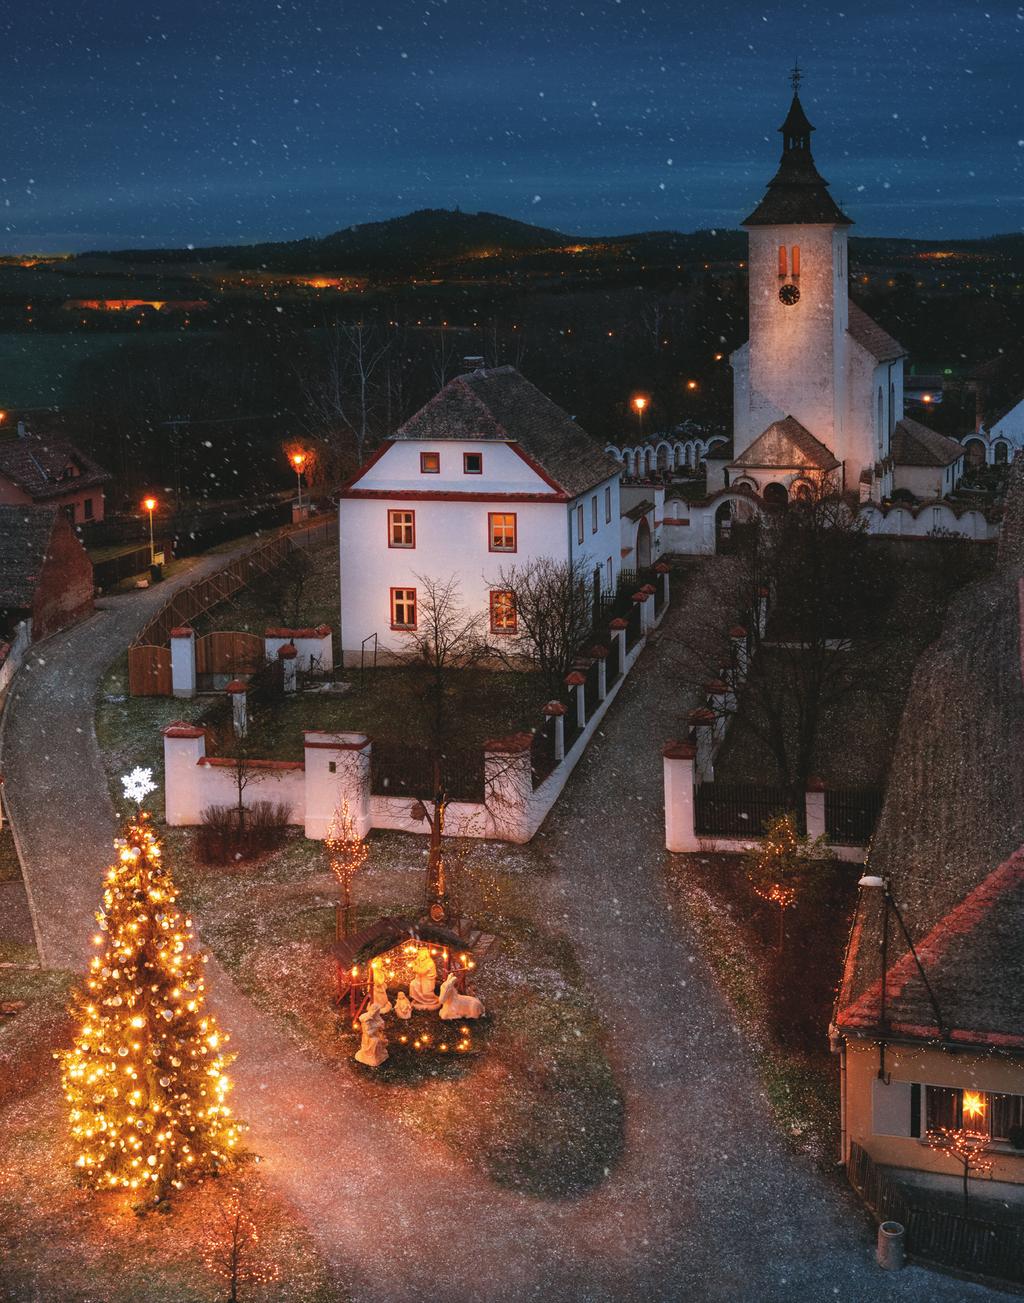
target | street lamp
[
  {"x": 691, "y": 385},
  {"x": 299, "y": 461},
  {"x": 150, "y": 505},
  {"x": 640, "y": 406}
]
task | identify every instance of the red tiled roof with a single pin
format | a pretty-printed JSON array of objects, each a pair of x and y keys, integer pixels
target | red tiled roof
[
  {"x": 973, "y": 948},
  {"x": 44, "y": 467}
]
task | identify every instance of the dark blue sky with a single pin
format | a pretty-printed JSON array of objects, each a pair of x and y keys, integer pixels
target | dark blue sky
[{"x": 133, "y": 122}]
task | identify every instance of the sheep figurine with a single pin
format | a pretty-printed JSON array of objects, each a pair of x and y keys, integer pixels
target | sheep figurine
[{"x": 455, "y": 1005}]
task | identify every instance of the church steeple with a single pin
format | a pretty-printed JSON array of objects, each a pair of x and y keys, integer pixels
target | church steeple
[{"x": 798, "y": 193}]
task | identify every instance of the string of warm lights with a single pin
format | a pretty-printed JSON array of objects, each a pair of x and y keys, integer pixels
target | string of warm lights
[{"x": 145, "y": 1079}]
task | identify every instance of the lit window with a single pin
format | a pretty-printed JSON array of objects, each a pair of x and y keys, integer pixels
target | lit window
[
  {"x": 430, "y": 463},
  {"x": 501, "y": 531},
  {"x": 943, "y": 1107},
  {"x": 503, "y": 611},
  {"x": 607, "y": 506},
  {"x": 593, "y": 514},
  {"x": 401, "y": 529},
  {"x": 783, "y": 262},
  {"x": 472, "y": 463},
  {"x": 579, "y": 523},
  {"x": 795, "y": 261},
  {"x": 403, "y": 608}
]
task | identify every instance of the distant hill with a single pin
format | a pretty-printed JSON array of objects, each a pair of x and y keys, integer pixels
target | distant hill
[{"x": 432, "y": 239}]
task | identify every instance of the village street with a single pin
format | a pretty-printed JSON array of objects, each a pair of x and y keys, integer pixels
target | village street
[{"x": 707, "y": 1202}]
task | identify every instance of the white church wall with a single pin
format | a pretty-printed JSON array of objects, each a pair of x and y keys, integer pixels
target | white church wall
[{"x": 796, "y": 359}]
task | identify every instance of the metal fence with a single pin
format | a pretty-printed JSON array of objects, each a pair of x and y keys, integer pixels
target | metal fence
[
  {"x": 741, "y": 810},
  {"x": 542, "y": 751},
  {"x": 402, "y": 769},
  {"x": 614, "y": 662},
  {"x": 851, "y": 815},
  {"x": 633, "y": 626},
  {"x": 936, "y": 1234}
]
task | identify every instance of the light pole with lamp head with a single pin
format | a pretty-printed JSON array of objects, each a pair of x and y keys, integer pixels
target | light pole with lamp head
[
  {"x": 150, "y": 505},
  {"x": 299, "y": 461}
]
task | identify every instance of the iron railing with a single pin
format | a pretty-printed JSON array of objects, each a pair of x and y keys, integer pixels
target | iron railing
[
  {"x": 741, "y": 810},
  {"x": 851, "y": 815},
  {"x": 404, "y": 769}
]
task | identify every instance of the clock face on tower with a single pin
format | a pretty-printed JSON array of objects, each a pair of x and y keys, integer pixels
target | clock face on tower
[{"x": 789, "y": 294}]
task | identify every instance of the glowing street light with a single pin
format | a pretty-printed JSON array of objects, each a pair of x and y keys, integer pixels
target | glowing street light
[
  {"x": 299, "y": 462},
  {"x": 150, "y": 505},
  {"x": 640, "y": 404},
  {"x": 692, "y": 386}
]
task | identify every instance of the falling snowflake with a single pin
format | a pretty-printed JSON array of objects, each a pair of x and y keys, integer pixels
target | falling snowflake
[{"x": 138, "y": 784}]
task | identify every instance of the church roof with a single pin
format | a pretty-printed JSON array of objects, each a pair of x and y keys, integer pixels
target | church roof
[
  {"x": 788, "y": 445},
  {"x": 798, "y": 193},
  {"x": 870, "y": 335},
  {"x": 502, "y": 405},
  {"x": 913, "y": 444}
]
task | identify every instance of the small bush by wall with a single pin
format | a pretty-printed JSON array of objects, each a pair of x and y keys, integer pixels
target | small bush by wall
[{"x": 220, "y": 839}]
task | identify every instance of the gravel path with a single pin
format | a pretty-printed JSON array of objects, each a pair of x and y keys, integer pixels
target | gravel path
[{"x": 707, "y": 1204}]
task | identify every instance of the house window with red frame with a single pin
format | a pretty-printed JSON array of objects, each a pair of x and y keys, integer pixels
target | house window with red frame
[
  {"x": 430, "y": 463},
  {"x": 401, "y": 529},
  {"x": 503, "y": 611},
  {"x": 501, "y": 531},
  {"x": 403, "y": 608},
  {"x": 472, "y": 463}
]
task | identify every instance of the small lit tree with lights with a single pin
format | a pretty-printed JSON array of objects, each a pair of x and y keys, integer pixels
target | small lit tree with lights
[
  {"x": 346, "y": 852},
  {"x": 233, "y": 1247},
  {"x": 145, "y": 1078},
  {"x": 966, "y": 1145},
  {"x": 778, "y": 866}
]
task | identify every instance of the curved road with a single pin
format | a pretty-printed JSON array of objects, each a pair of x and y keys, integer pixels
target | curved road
[{"x": 707, "y": 1202}]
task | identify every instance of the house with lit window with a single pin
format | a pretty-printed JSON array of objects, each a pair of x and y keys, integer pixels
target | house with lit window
[
  {"x": 929, "y": 1020},
  {"x": 48, "y": 470},
  {"x": 488, "y": 475}
]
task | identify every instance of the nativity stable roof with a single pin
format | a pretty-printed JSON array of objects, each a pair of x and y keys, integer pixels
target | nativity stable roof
[
  {"x": 788, "y": 445},
  {"x": 913, "y": 444},
  {"x": 46, "y": 467},
  {"x": 25, "y": 533},
  {"x": 502, "y": 405},
  {"x": 870, "y": 335}
]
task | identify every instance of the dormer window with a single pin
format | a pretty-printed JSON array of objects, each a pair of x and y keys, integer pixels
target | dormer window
[{"x": 472, "y": 463}]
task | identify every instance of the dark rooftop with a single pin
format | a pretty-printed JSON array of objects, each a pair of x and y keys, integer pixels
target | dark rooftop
[
  {"x": 24, "y": 540},
  {"x": 798, "y": 193},
  {"x": 502, "y": 405},
  {"x": 870, "y": 335},
  {"x": 913, "y": 444},
  {"x": 787, "y": 444},
  {"x": 45, "y": 467}
]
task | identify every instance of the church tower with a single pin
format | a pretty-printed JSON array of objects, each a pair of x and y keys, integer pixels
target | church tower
[{"x": 795, "y": 364}]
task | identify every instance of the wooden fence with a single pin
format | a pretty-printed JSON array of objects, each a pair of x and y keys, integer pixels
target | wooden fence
[
  {"x": 227, "y": 652},
  {"x": 149, "y": 670},
  {"x": 935, "y": 1234}
]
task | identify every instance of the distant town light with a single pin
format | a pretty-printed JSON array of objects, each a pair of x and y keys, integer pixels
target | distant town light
[{"x": 691, "y": 385}]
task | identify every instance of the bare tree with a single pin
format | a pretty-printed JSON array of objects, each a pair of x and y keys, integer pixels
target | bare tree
[
  {"x": 340, "y": 389},
  {"x": 445, "y": 359},
  {"x": 233, "y": 1247},
  {"x": 553, "y": 613},
  {"x": 826, "y": 635}
]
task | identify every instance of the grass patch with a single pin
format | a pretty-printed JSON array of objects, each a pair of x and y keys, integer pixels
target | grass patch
[
  {"x": 534, "y": 1107},
  {"x": 782, "y": 1000}
]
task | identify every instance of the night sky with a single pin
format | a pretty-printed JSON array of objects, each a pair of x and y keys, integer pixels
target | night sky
[{"x": 134, "y": 123}]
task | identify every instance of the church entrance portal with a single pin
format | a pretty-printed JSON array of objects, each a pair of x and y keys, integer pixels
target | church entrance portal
[{"x": 643, "y": 545}]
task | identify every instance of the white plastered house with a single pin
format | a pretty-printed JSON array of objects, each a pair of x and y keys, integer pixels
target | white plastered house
[{"x": 488, "y": 475}]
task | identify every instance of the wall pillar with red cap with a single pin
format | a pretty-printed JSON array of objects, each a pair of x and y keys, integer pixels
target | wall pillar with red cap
[
  {"x": 678, "y": 759},
  {"x": 600, "y": 655},
  {"x": 288, "y": 655},
  {"x": 239, "y": 692},
  {"x": 555, "y": 711},
  {"x": 577, "y": 684},
  {"x": 183, "y": 661},
  {"x": 662, "y": 570},
  {"x": 184, "y": 747},
  {"x": 618, "y": 629},
  {"x": 508, "y": 785}
]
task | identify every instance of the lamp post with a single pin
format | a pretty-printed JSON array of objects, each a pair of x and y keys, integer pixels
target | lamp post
[
  {"x": 150, "y": 505},
  {"x": 299, "y": 461},
  {"x": 640, "y": 406}
]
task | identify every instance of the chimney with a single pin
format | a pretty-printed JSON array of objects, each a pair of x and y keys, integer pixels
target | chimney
[
  {"x": 473, "y": 363},
  {"x": 22, "y": 431}
]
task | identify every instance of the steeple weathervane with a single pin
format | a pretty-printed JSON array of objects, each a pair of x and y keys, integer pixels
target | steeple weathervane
[{"x": 796, "y": 77}]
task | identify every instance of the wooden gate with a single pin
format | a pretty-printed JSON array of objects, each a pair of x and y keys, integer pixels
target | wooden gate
[
  {"x": 226, "y": 652},
  {"x": 149, "y": 671}
]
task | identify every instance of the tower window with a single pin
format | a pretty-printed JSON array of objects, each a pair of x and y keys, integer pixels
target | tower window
[
  {"x": 796, "y": 260},
  {"x": 783, "y": 261}
]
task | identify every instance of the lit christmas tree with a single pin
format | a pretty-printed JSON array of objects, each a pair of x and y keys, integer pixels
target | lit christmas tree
[{"x": 145, "y": 1079}]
